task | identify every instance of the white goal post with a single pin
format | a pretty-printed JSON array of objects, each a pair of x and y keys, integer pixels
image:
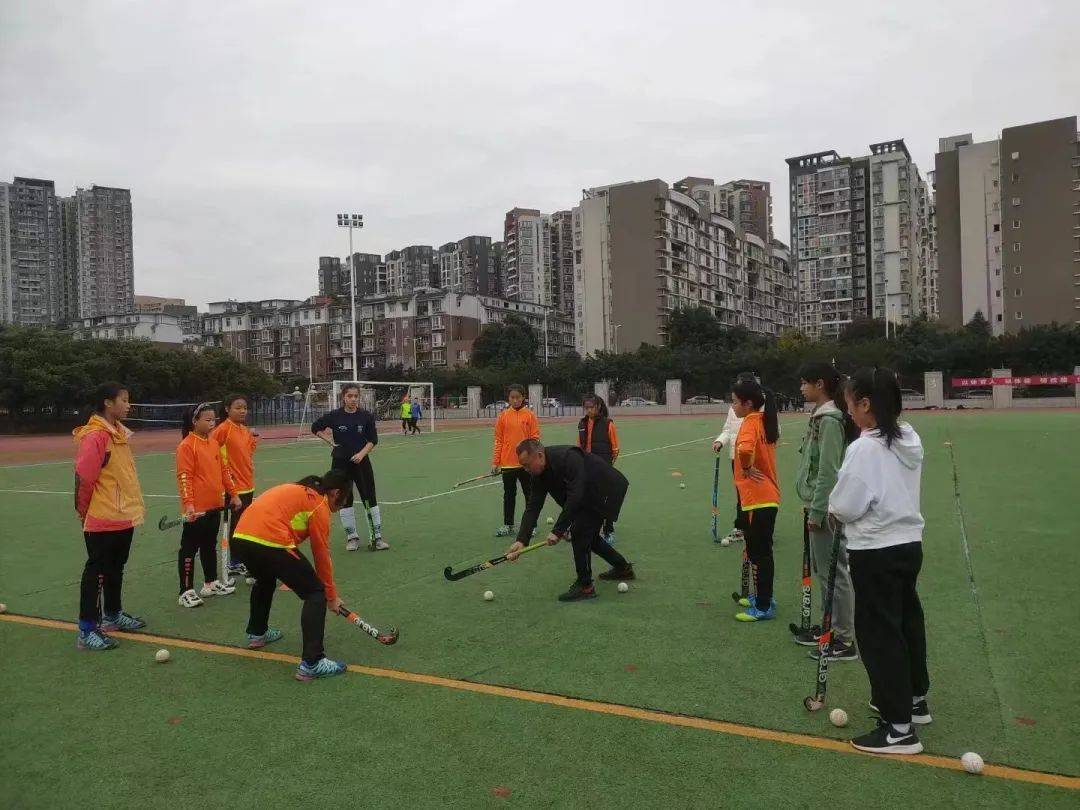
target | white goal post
[{"x": 382, "y": 398}]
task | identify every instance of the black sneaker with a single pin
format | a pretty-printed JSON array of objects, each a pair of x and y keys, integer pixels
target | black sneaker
[
  {"x": 920, "y": 712},
  {"x": 578, "y": 592},
  {"x": 619, "y": 573},
  {"x": 838, "y": 651},
  {"x": 885, "y": 739},
  {"x": 808, "y": 638}
]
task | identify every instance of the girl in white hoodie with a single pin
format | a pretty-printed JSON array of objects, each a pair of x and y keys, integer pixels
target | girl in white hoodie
[
  {"x": 728, "y": 433},
  {"x": 876, "y": 498}
]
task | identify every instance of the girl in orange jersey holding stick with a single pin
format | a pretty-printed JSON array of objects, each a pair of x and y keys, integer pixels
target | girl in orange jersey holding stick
[{"x": 238, "y": 444}]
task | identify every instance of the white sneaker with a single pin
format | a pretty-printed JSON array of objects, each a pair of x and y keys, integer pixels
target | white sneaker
[
  {"x": 352, "y": 543},
  {"x": 378, "y": 544},
  {"x": 217, "y": 588},
  {"x": 190, "y": 599}
]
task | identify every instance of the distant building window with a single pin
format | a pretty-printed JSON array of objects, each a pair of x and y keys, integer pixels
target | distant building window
[
  {"x": 1016, "y": 156},
  {"x": 1016, "y": 224},
  {"x": 997, "y": 227},
  {"x": 1017, "y": 292},
  {"x": 1019, "y": 315},
  {"x": 1018, "y": 269},
  {"x": 1015, "y": 177},
  {"x": 1015, "y": 201},
  {"x": 1016, "y": 247}
]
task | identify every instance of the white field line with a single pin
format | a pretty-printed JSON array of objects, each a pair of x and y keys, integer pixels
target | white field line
[{"x": 493, "y": 483}]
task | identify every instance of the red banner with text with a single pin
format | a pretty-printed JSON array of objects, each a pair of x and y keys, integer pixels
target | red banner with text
[{"x": 1036, "y": 379}]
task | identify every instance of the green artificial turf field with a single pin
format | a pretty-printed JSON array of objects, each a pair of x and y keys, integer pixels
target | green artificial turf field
[{"x": 117, "y": 729}]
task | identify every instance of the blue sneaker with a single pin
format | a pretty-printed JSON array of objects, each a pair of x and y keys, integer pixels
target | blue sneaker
[
  {"x": 121, "y": 621},
  {"x": 95, "y": 640},
  {"x": 239, "y": 569},
  {"x": 325, "y": 668},
  {"x": 755, "y": 614},
  {"x": 269, "y": 637}
]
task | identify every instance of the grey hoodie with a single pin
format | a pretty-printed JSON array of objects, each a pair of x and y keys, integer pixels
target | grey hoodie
[{"x": 876, "y": 495}]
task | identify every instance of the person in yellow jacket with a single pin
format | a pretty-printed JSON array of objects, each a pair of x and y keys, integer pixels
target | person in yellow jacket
[
  {"x": 514, "y": 425},
  {"x": 406, "y": 415},
  {"x": 109, "y": 503}
]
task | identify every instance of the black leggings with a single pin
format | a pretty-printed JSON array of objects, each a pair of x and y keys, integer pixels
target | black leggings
[
  {"x": 269, "y": 564},
  {"x": 103, "y": 574},
  {"x": 511, "y": 477},
  {"x": 889, "y": 626},
  {"x": 760, "y": 524},
  {"x": 231, "y": 517},
  {"x": 363, "y": 475},
  {"x": 587, "y": 540},
  {"x": 740, "y": 520},
  {"x": 198, "y": 537}
]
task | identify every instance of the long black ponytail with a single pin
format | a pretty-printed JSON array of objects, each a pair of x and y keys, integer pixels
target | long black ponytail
[
  {"x": 601, "y": 406},
  {"x": 880, "y": 386},
  {"x": 753, "y": 392},
  {"x": 833, "y": 382}
]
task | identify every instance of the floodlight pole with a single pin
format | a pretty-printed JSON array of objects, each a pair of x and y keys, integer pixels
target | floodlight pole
[{"x": 351, "y": 221}]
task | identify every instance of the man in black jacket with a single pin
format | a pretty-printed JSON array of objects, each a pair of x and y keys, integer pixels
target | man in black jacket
[{"x": 590, "y": 491}]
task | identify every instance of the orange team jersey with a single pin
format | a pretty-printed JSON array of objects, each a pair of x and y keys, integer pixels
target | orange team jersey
[
  {"x": 753, "y": 452},
  {"x": 202, "y": 474},
  {"x": 238, "y": 444},
  {"x": 287, "y": 515},
  {"x": 511, "y": 428}
]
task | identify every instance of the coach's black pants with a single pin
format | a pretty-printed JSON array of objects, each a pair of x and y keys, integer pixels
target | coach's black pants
[
  {"x": 268, "y": 565},
  {"x": 758, "y": 536},
  {"x": 587, "y": 539},
  {"x": 198, "y": 537},
  {"x": 511, "y": 477},
  {"x": 363, "y": 475},
  {"x": 106, "y": 556},
  {"x": 889, "y": 626}
]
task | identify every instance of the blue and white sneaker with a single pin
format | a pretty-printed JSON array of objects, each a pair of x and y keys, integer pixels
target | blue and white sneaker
[
  {"x": 121, "y": 621},
  {"x": 95, "y": 640},
  {"x": 325, "y": 668},
  {"x": 755, "y": 614},
  {"x": 239, "y": 569},
  {"x": 269, "y": 637}
]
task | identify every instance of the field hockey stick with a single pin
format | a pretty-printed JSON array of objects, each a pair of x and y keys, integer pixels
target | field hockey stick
[
  {"x": 821, "y": 680},
  {"x": 807, "y": 581},
  {"x": 167, "y": 522},
  {"x": 715, "y": 496},
  {"x": 745, "y": 580},
  {"x": 474, "y": 480},
  {"x": 453, "y": 576},
  {"x": 388, "y": 636}
]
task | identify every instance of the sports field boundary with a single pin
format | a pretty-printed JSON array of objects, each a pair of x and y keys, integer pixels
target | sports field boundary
[{"x": 582, "y": 704}]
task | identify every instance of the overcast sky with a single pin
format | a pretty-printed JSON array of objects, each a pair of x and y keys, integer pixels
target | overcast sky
[{"x": 242, "y": 128}]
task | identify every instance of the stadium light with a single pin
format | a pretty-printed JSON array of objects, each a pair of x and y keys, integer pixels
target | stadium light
[{"x": 351, "y": 221}]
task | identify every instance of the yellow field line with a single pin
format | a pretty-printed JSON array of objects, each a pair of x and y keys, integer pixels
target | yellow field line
[{"x": 593, "y": 706}]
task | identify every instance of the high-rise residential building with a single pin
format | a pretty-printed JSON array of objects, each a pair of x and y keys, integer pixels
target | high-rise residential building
[
  {"x": 367, "y": 273},
  {"x": 524, "y": 278},
  {"x": 68, "y": 282},
  {"x": 1007, "y": 226},
  {"x": 468, "y": 266},
  {"x": 557, "y": 258},
  {"x": 644, "y": 250},
  {"x": 413, "y": 268},
  {"x": 105, "y": 257},
  {"x": 31, "y": 253},
  {"x": 855, "y": 237},
  {"x": 331, "y": 280}
]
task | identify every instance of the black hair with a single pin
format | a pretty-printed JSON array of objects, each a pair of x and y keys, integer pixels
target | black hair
[
  {"x": 228, "y": 403},
  {"x": 746, "y": 376},
  {"x": 601, "y": 406},
  {"x": 834, "y": 382},
  {"x": 333, "y": 479},
  {"x": 349, "y": 386},
  {"x": 880, "y": 386},
  {"x": 187, "y": 424},
  {"x": 105, "y": 391},
  {"x": 752, "y": 391},
  {"x": 515, "y": 387}
]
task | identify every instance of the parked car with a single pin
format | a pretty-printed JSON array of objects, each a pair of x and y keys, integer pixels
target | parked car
[
  {"x": 702, "y": 399},
  {"x": 551, "y": 402},
  {"x": 500, "y": 405},
  {"x": 636, "y": 402}
]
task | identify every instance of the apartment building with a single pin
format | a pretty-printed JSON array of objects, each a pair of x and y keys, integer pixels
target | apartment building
[
  {"x": 409, "y": 269},
  {"x": 157, "y": 327},
  {"x": 469, "y": 265},
  {"x": 524, "y": 276},
  {"x": 1007, "y": 226},
  {"x": 31, "y": 255},
  {"x": 644, "y": 250},
  {"x": 187, "y": 316},
  {"x": 105, "y": 260},
  {"x": 856, "y": 236}
]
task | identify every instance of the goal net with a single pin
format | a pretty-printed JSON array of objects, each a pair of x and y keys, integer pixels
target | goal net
[{"x": 383, "y": 399}]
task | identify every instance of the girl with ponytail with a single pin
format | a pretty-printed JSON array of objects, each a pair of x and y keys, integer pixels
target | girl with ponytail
[{"x": 759, "y": 491}]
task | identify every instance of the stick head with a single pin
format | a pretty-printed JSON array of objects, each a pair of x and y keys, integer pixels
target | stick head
[
  {"x": 813, "y": 704},
  {"x": 388, "y": 636},
  {"x": 448, "y": 572},
  {"x": 163, "y": 524}
]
